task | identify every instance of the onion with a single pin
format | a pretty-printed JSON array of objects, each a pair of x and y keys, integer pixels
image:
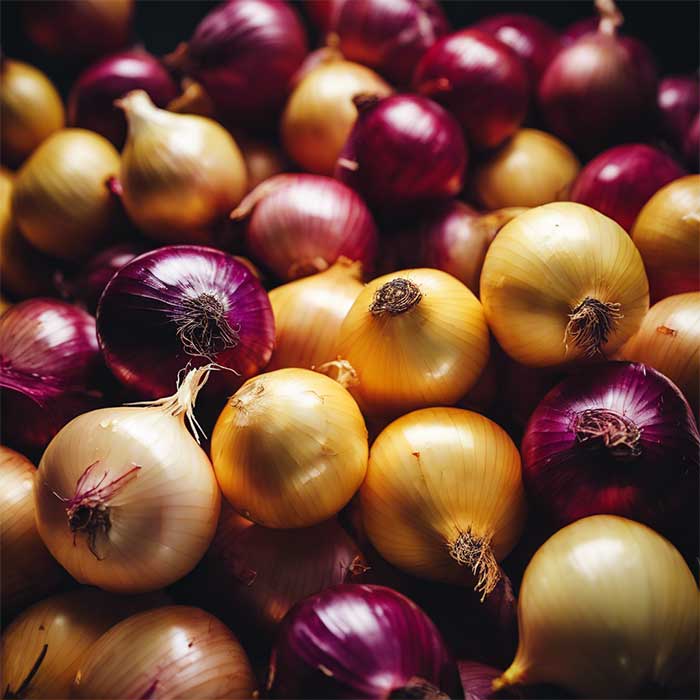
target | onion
[
  {"x": 480, "y": 80},
  {"x": 170, "y": 652},
  {"x": 180, "y": 174},
  {"x": 91, "y": 102},
  {"x": 125, "y": 498},
  {"x": 678, "y": 100},
  {"x": 263, "y": 160},
  {"x": 650, "y": 600},
  {"x": 183, "y": 305},
  {"x": 49, "y": 365},
  {"x": 31, "y": 109},
  {"x": 578, "y": 28},
  {"x": 530, "y": 169},
  {"x": 290, "y": 448},
  {"x": 61, "y": 200},
  {"x": 296, "y": 225},
  {"x": 320, "y": 112},
  {"x": 562, "y": 283},
  {"x": 320, "y": 12},
  {"x": 360, "y": 641},
  {"x": 387, "y": 35},
  {"x": 193, "y": 100},
  {"x": 404, "y": 151},
  {"x": 620, "y": 181},
  {"x": 691, "y": 147}
]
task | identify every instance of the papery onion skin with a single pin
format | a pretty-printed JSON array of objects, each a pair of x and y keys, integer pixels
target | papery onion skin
[
  {"x": 404, "y": 151},
  {"x": 620, "y": 181},
  {"x": 480, "y": 80},
  {"x": 565, "y": 622},
  {"x": 174, "y": 652},
  {"x": 359, "y": 641},
  {"x": 181, "y": 305},
  {"x": 678, "y": 102},
  {"x": 91, "y": 100},
  {"x": 296, "y": 225}
]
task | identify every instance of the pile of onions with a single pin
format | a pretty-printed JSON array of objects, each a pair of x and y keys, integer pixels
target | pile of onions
[
  {"x": 666, "y": 234},
  {"x": 650, "y": 598},
  {"x": 49, "y": 366},
  {"x": 125, "y": 497},
  {"x": 480, "y": 80},
  {"x": 263, "y": 160},
  {"x": 91, "y": 101},
  {"x": 61, "y": 199},
  {"x": 443, "y": 498},
  {"x": 181, "y": 305},
  {"x": 173, "y": 651},
  {"x": 180, "y": 174},
  {"x": 290, "y": 448},
  {"x": 31, "y": 109},
  {"x": 578, "y": 290},
  {"x": 404, "y": 151},
  {"x": 620, "y": 181},
  {"x": 415, "y": 338},
  {"x": 619, "y": 439},
  {"x": 360, "y": 641},
  {"x": 678, "y": 101},
  {"x": 296, "y": 225},
  {"x": 320, "y": 112},
  {"x": 530, "y": 169}
]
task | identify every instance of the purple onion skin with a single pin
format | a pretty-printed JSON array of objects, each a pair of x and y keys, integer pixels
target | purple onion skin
[
  {"x": 91, "y": 100},
  {"x": 144, "y": 322},
  {"x": 480, "y": 80},
  {"x": 691, "y": 148},
  {"x": 358, "y": 641},
  {"x": 620, "y": 181},
  {"x": 409, "y": 152},
  {"x": 652, "y": 478},
  {"x": 579, "y": 28},
  {"x": 678, "y": 101}
]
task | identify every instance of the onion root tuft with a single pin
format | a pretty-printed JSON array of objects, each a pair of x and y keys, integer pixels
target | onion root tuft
[
  {"x": 590, "y": 324},
  {"x": 614, "y": 431},
  {"x": 475, "y": 552},
  {"x": 395, "y": 297},
  {"x": 203, "y": 328}
]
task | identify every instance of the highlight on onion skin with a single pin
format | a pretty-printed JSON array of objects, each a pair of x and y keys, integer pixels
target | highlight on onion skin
[{"x": 678, "y": 102}]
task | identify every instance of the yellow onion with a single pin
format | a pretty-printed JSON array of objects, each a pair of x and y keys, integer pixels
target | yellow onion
[
  {"x": 290, "y": 448},
  {"x": 61, "y": 199},
  {"x": 320, "y": 112},
  {"x": 31, "y": 109},
  {"x": 443, "y": 498},
  {"x": 125, "y": 498},
  {"x": 415, "y": 338},
  {"x": 606, "y": 606},
  {"x": 262, "y": 160},
  {"x": 667, "y": 233},
  {"x": 562, "y": 283},
  {"x": 169, "y": 652},
  {"x": 309, "y": 313},
  {"x": 181, "y": 174},
  {"x": 530, "y": 169}
]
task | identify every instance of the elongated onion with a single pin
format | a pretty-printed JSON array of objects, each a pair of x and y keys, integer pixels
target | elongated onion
[
  {"x": 415, "y": 338},
  {"x": 606, "y": 606},
  {"x": 443, "y": 498},
  {"x": 169, "y": 652},
  {"x": 125, "y": 498},
  {"x": 290, "y": 448},
  {"x": 561, "y": 283}
]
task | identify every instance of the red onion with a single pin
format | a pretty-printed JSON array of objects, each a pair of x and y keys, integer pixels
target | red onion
[
  {"x": 244, "y": 53},
  {"x": 678, "y": 101},
  {"x": 360, "y": 641},
  {"x": 320, "y": 12},
  {"x": 620, "y": 181},
  {"x": 404, "y": 151},
  {"x": 91, "y": 101},
  {"x": 49, "y": 370},
  {"x": 691, "y": 147},
  {"x": 578, "y": 28},
  {"x": 617, "y": 438},
  {"x": 388, "y": 35},
  {"x": 181, "y": 305},
  {"x": 296, "y": 225}
]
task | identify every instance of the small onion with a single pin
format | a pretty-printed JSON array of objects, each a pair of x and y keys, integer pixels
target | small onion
[
  {"x": 169, "y": 652},
  {"x": 61, "y": 199},
  {"x": 31, "y": 109},
  {"x": 290, "y": 448},
  {"x": 480, "y": 80},
  {"x": 320, "y": 112},
  {"x": 650, "y": 600},
  {"x": 678, "y": 101},
  {"x": 262, "y": 160},
  {"x": 529, "y": 169},
  {"x": 353, "y": 641},
  {"x": 296, "y": 225},
  {"x": 620, "y": 181},
  {"x": 403, "y": 151}
]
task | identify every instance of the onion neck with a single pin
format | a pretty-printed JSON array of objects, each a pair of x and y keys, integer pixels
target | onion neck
[
  {"x": 419, "y": 689},
  {"x": 474, "y": 552},
  {"x": 140, "y": 111},
  {"x": 602, "y": 427},
  {"x": 340, "y": 371},
  {"x": 365, "y": 101},
  {"x": 590, "y": 325},
  {"x": 610, "y": 17},
  {"x": 395, "y": 297}
]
